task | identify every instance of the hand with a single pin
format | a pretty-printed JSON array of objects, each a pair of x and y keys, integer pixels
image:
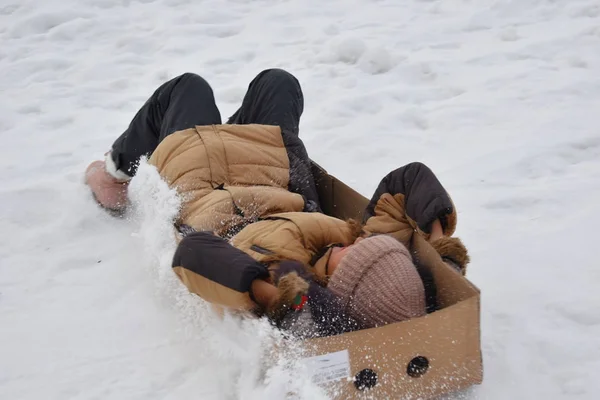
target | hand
[{"x": 436, "y": 231}]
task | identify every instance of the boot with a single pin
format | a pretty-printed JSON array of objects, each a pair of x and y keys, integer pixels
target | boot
[{"x": 108, "y": 191}]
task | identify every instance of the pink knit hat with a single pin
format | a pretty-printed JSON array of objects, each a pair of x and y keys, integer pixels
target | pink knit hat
[{"x": 378, "y": 283}]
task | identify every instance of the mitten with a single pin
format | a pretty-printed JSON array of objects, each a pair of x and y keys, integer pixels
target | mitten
[{"x": 292, "y": 291}]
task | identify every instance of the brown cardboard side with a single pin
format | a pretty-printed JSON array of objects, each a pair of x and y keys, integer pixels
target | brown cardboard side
[
  {"x": 338, "y": 199},
  {"x": 341, "y": 201},
  {"x": 452, "y": 287},
  {"x": 448, "y": 339}
]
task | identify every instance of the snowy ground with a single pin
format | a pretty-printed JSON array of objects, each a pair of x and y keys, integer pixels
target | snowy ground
[{"x": 501, "y": 98}]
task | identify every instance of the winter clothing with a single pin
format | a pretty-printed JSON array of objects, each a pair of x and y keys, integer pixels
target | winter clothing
[
  {"x": 249, "y": 196},
  {"x": 408, "y": 199},
  {"x": 243, "y": 175},
  {"x": 304, "y": 237},
  {"x": 452, "y": 252},
  {"x": 109, "y": 191},
  {"x": 378, "y": 283},
  {"x": 222, "y": 272},
  {"x": 309, "y": 239},
  {"x": 208, "y": 265},
  {"x": 292, "y": 293},
  {"x": 274, "y": 99},
  {"x": 181, "y": 103}
]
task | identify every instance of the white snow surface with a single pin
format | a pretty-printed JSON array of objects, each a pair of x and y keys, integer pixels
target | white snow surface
[{"x": 501, "y": 98}]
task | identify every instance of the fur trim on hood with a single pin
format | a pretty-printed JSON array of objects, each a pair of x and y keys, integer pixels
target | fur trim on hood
[{"x": 356, "y": 228}]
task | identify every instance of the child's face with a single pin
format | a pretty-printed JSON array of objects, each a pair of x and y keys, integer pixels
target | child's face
[{"x": 337, "y": 253}]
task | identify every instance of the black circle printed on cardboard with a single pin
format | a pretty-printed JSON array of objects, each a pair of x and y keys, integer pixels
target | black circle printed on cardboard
[
  {"x": 417, "y": 366},
  {"x": 365, "y": 379}
]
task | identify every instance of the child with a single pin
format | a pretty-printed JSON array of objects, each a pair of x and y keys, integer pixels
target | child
[
  {"x": 374, "y": 284},
  {"x": 251, "y": 205}
]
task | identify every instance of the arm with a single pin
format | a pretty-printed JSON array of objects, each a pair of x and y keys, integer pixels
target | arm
[
  {"x": 216, "y": 271},
  {"x": 221, "y": 274},
  {"x": 108, "y": 178},
  {"x": 180, "y": 103},
  {"x": 420, "y": 194},
  {"x": 412, "y": 198}
]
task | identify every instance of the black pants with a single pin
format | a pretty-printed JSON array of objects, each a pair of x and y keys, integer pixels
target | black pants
[{"x": 274, "y": 97}]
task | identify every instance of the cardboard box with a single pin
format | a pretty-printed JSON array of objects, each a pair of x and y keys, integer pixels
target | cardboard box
[{"x": 420, "y": 358}]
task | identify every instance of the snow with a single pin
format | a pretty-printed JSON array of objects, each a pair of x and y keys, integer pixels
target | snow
[{"x": 499, "y": 97}]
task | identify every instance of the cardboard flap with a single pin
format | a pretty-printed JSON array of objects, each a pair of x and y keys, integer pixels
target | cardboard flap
[
  {"x": 341, "y": 201},
  {"x": 455, "y": 287},
  {"x": 338, "y": 199},
  {"x": 444, "y": 346}
]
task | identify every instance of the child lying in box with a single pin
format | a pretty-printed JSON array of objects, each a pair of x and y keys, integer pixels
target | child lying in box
[{"x": 254, "y": 237}]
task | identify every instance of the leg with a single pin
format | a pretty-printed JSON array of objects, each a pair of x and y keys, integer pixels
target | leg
[
  {"x": 275, "y": 97},
  {"x": 178, "y": 104}
]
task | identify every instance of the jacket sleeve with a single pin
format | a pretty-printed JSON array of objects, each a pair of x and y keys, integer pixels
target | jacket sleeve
[
  {"x": 411, "y": 194},
  {"x": 216, "y": 271}
]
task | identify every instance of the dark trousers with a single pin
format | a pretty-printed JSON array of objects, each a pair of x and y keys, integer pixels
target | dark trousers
[{"x": 274, "y": 97}]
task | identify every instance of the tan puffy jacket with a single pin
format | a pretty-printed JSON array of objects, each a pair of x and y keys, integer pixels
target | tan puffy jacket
[
  {"x": 227, "y": 175},
  {"x": 233, "y": 180}
]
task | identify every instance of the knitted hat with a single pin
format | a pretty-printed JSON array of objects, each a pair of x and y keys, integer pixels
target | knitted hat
[{"x": 378, "y": 283}]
